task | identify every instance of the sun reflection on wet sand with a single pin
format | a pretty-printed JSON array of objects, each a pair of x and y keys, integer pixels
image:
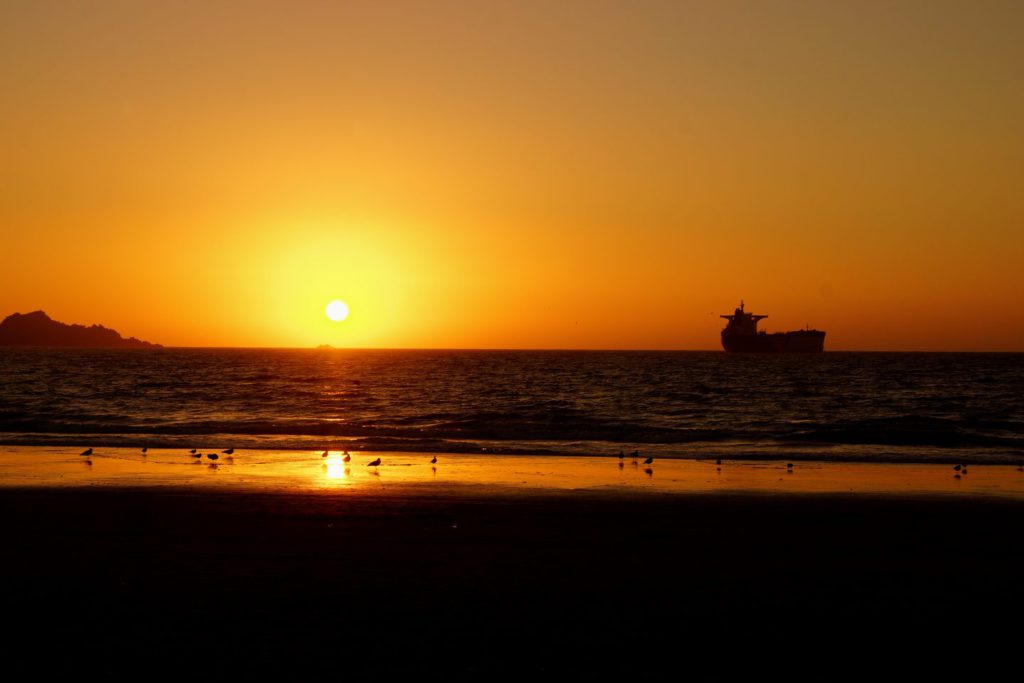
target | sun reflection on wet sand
[
  {"x": 308, "y": 471},
  {"x": 334, "y": 468}
]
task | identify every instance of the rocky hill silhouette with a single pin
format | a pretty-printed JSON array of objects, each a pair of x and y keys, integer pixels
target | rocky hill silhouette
[{"x": 38, "y": 329}]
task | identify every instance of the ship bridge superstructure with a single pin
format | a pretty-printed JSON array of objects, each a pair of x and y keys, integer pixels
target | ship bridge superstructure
[{"x": 741, "y": 322}]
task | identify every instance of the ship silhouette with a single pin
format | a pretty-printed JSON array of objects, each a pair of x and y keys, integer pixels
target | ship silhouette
[{"x": 742, "y": 336}]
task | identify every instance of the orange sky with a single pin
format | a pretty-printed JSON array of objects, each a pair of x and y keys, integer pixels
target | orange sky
[{"x": 515, "y": 174}]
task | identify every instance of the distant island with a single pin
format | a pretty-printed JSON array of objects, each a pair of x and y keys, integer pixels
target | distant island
[{"x": 38, "y": 329}]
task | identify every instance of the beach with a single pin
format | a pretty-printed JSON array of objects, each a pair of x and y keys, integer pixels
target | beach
[
  {"x": 490, "y": 579},
  {"x": 349, "y": 341}
]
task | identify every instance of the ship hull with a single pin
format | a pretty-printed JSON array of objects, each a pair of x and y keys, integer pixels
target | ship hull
[{"x": 801, "y": 341}]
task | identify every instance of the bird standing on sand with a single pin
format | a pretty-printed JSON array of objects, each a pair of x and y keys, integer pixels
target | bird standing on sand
[
  {"x": 621, "y": 455},
  {"x": 347, "y": 457},
  {"x": 433, "y": 461},
  {"x": 649, "y": 461},
  {"x": 87, "y": 452},
  {"x": 375, "y": 463},
  {"x": 212, "y": 456},
  {"x": 958, "y": 467},
  {"x": 229, "y": 451},
  {"x": 324, "y": 454},
  {"x": 636, "y": 454},
  {"x": 145, "y": 450},
  {"x": 193, "y": 451},
  {"x": 197, "y": 455}
]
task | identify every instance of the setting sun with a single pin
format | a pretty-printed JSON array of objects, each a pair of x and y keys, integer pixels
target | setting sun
[{"x": 337, "y": 310}]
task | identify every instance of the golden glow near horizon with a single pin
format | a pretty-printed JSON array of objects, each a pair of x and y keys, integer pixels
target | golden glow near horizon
[{"x": 481, "y": 175}]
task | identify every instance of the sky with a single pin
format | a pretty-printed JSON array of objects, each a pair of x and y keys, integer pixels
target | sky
[{"x": 515, "y": 174}]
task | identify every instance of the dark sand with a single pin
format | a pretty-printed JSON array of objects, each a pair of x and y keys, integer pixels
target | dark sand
[{"x": 215, "y": 584}]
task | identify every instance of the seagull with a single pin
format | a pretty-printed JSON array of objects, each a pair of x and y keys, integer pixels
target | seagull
[
  {"x": 375, "y": 463},
  {"x": 230, "y": 451},
  {"x": 324, "y": 454},
  {"x": 789, "y": 465},
  {"x": 636, "y": 454},
  {"x": 212, "y": 456},
  {"x": 87, "y": 452},
  {"x": 433, "y": 461},
  {"x": 621, "y": 455},
  {"x": 193, "y": 451},
  {"x": 144, "y": 450},
  {"x": 958, "y": 467},
  {"x": 649, "y": 461},
  {"x": 718, "y": 462},
  {"x": 347, "y": 457},
  {"x": 197, "y": 455}
]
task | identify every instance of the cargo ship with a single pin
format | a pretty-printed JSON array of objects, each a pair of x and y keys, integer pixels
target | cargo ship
[{"x": 742, "y": 336}]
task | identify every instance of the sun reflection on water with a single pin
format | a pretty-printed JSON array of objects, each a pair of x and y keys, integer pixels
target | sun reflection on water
[{"x": 335, "y": 468}]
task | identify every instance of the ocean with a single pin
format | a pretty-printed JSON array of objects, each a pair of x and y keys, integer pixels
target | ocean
[{"x": 901, "y": 407}]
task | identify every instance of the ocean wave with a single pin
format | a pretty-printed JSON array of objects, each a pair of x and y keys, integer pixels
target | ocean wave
[
  {"x": 673, "y": 403},
  {"x": 564, "y": 427},
  {"x": 916, "y": 430}
]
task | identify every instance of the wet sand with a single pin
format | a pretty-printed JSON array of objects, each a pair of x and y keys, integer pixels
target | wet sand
[
  {"x": 469, "y": 581},
  {"x": 410, "y": 473}
]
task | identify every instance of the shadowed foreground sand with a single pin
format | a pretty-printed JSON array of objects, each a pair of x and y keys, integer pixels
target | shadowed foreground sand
[{"x": 191, "y": 581}]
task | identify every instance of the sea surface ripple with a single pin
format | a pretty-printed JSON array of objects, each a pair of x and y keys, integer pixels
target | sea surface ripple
[{"x": 842, "y": 406}]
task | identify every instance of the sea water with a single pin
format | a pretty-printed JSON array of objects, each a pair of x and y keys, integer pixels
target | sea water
[{"x": 833, "y": 406}]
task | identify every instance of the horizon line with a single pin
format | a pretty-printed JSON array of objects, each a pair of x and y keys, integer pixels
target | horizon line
[{"x": 521, "y": 349}]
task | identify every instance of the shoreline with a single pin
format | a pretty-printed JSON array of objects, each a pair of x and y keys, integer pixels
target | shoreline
[
  {"x": 402, "y": 473},
  {"x": 696, "y": 451}
]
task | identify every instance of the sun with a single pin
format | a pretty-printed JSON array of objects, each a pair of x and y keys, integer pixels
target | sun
[{"x": 337, "y": 310}]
